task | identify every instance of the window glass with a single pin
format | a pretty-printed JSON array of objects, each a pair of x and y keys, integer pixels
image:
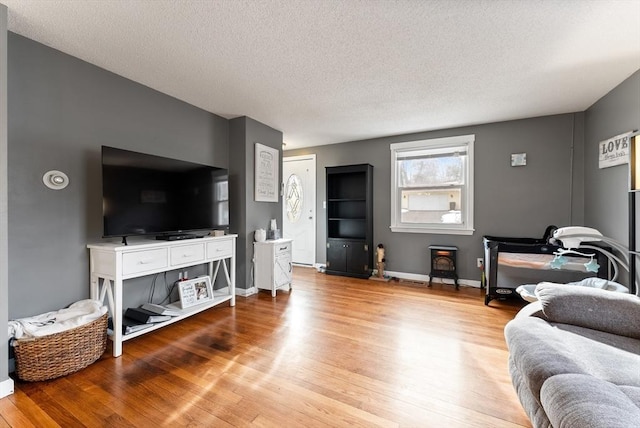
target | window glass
[
  {"x": 294, "y": 198},
  {"x": 432, "y": 188}
]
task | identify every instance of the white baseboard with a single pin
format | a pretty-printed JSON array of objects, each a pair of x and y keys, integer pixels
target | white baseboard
[
  {"x": 425, "y": 278},
  {"x": 246, "y": 292},
  {"x": 416, "y": 277},
  {"x": 6, "y": 387}
]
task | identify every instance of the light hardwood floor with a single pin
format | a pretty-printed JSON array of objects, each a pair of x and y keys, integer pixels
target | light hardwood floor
[{"x": 334, "y": 352}]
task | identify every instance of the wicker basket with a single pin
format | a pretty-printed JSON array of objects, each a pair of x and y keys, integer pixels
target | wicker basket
[{"x": 60, "y": 354}]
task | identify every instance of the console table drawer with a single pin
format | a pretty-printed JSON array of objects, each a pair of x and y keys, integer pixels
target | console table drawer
[
  {"x": 187, "y": 254},
  {"x": 219, "y": 250},
  {"x": 142, "y": 261},
  {"x": 282, "y": 250}
]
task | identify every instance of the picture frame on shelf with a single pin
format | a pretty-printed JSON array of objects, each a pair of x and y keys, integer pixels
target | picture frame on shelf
[{"x": 195, "y": 291}]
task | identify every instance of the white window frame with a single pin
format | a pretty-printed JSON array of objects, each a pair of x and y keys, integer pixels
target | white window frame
[{"x": 466, "y": 228}]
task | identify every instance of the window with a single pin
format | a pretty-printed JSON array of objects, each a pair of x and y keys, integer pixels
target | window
[
  {"x": 432, "y": 186},
  {"x": 293, "y": 198}
]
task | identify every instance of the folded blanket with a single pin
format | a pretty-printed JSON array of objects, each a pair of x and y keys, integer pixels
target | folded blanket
[{"x": 77, "y": 314}]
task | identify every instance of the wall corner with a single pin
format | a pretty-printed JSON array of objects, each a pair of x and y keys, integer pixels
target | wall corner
[{"x": 6, "y": 384}]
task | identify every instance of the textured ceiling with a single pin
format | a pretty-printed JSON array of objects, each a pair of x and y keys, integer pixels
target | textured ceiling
[{"x": 334, "y": 71}]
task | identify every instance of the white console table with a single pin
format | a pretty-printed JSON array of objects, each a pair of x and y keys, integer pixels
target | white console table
[{"x": 116, "y": 262}]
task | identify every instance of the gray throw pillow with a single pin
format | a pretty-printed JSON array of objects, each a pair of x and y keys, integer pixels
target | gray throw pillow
[{"x": 593, "y": 308}]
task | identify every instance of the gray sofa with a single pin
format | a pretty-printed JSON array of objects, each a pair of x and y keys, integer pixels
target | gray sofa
[{"x": 574, "y": 358}]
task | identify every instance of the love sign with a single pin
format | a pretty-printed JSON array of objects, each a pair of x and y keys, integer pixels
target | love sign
[{"x": 614, "y": 151}]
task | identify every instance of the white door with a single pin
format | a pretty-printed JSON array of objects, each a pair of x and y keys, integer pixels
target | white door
[
  {"x": 299, "y": 207},
  {"x": 282, "y": 274}
]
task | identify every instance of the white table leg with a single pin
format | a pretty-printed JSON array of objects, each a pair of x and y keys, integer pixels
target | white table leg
[
  {"x": 94, "y": 290},
  {"x": 232, "y": 267},
  {"x": 109, "y": 291},
  {"x": 214, "y": 275},
  {"x": 117, "y": 318}
]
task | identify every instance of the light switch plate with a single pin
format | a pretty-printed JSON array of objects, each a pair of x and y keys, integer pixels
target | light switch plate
[{"x": 518, "y": 159}]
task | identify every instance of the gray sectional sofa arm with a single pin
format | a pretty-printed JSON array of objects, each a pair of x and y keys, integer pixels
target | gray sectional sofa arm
[
  {"x": 574, "y": 358},
  {"x": 593, "y": 308}
]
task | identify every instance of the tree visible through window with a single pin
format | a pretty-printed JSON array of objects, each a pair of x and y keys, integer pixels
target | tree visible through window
[{"x": 432, "y": 189}]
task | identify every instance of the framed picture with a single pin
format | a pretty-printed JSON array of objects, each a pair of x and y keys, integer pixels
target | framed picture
[
  {"x": 266, "y": 174},
  {"x": 195, "y": 291}
]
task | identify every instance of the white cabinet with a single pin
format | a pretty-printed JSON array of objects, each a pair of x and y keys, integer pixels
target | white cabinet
[
  {"x": 273, "y": 265},
  {"x": 112, "y": 263}
]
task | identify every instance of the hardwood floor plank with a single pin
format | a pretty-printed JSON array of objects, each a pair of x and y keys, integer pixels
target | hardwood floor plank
[
  {"x": 333, "y": 352},
  {"x": 14, "y": 416},
  {"x": 31, "y": 409}
]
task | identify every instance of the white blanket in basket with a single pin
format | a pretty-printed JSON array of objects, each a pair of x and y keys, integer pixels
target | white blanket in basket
[{"x": 77, "y": 314}]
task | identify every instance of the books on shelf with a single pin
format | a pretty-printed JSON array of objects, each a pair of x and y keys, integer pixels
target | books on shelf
[
  {"x": 161, "y": 310},
  {"x": 145, "y": 316},
  {"x": 136, "y": 319},
  {"x": 130, "y": 326}
]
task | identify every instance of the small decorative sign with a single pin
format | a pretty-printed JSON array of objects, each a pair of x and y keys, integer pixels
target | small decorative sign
[
  {"x": 614, "y": 151},
  {"x": 266, "y": 173},
  {"x": 195, "y": 291}
]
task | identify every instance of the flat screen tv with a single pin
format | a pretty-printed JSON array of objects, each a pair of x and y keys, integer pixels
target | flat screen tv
[{"x": 143, "y": 194}]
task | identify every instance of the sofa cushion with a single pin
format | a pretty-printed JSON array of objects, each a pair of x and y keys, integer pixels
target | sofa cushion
[
  {"x": 582, "y": 401},
  {"x": 593, "y": 308},
  {"x": 541, "y": 350}
]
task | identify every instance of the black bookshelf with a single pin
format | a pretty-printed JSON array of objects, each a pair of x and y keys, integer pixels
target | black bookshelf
[{"x": 350, "y": 220}]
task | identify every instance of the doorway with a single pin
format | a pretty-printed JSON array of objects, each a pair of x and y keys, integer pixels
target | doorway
[{"x": 299, "y": 207}]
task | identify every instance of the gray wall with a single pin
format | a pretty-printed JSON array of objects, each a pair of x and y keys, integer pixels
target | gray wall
[
  {"x": 249, "y": 215},
  {"x": 238, "y": 182},
  {"x": 509, "y": 201},
  {"x": 606, "y": 198},
  {"x": 4, "y": 277},
  {"x": 61, "y": 110}
]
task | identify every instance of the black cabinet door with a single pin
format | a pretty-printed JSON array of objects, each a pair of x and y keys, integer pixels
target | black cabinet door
[
  {"x": 336, "y": 255},
  {"x": 348, "y": 257},
  {"x": 357, "y": 257}
]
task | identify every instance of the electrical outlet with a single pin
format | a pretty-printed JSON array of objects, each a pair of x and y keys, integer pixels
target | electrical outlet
[{"x": 479, "y": 262}]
